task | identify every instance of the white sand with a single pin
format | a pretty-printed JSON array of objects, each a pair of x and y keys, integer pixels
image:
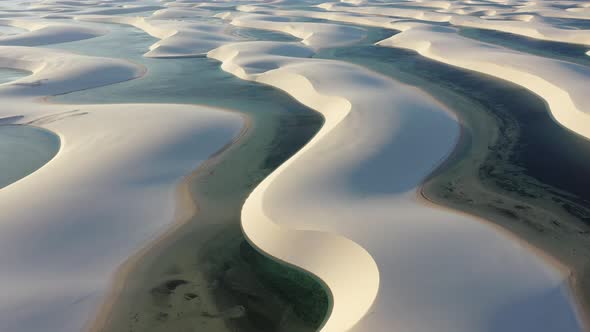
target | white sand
[
  {"x": 357, "y": 179},
  {"x": 491, "y": 19},
  {"x": 316, "y": 35},
  {"x": 56, "y": 72},
  {"x": 561, "y": 84},
  {"x": 110, "y": 189},
  {"x": 177, "y": 38},
  {"x": 41, "y": 32},
  {"x": 343, "y": 208}
]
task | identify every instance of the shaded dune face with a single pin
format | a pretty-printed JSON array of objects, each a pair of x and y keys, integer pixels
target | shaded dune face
[{"x": 342, "y": 213}]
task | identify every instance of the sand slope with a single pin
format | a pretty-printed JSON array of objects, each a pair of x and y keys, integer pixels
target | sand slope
[
  {"x": 56, "y": 72},
  {"x": 111, "y": 187},
  {"x": 109, "y": 190},
  {"x": 177, "y": 38},
  {"x": 316, "y": 35},
  {"x": 356, "y": 180},
  {"x": 344, "y": 208},
  {"x": 561, "y": 84},
  {"x": 43, "y": 33}
]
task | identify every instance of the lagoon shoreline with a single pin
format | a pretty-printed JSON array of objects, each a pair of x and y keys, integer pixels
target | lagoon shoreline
[
  {"x": 488, "y": 128},
  {"x": 195, "y": 250},
  {"x": 455, "y": 186},
  {"x": 186, "y": 208}
]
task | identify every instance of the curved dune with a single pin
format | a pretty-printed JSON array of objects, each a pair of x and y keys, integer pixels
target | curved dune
[
  {"x": 111, "y": 187},
  {"x": 357, "y": 180},
  {"x": 316, "y": 35},
  {"x": 177, "y": 38},
  {"x": 45, "y": 33},
  {"x": 344, "y": 208},
  {"x": 561, "y": 84},
  {"x": 57, "y": 72},
  {"x": 506, "y": 22},
  {"x": 418, "y": 14},
  {"x": 528, "y": 27},
  {"x": 348, "y": 270},
  {"x": 345, "y": 17}
]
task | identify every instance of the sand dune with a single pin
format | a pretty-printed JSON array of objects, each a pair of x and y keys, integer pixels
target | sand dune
[
  {"x": 532, "y": 28},
  {"x": 316, "y": 35},
  {"x": 111, "y": 187},
  {"x": 356, "y": 180},
  {"x": 177, "y": 38},
  {"x": 345, "y": 207},
  {"x": 45, "y": 33},
  {"x": 561, "y": 84},
  {"x": 68, "y": 8},
  {"x": 419, "y": 14},
  {"x": 57, "y": 72},
  {"x": 503, "y": 21}
]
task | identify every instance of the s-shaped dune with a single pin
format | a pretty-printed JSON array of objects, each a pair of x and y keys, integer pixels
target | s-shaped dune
[{"x": 345, "y": 209}]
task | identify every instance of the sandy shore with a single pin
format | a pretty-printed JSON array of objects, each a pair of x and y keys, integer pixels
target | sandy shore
[
  {"x": 529, "y": 241},
  {"x": 186, "y": 208},
  {"x": 463, "y": 161},
  {"x": 364, "y": 191},
  {"x": 459, "y": 92},
  {"x": 206, "y": 234},
  {"x": 343, "y": 207},
  {"x": 571, "y": 286}
]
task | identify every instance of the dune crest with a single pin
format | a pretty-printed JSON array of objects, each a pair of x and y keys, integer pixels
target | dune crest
[
  {"x": 561, "y": 84},
  {"x": 305, "y": 211},
  {"x": 42, "y": 32},
  {"x": 110, "y": 189}
]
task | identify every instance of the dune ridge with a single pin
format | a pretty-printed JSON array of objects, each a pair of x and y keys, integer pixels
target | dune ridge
[
  {"x": 44, "y": 32},
  {"x": 560, "y": 84},
  {"x": 345, "y": 208},
  {"x": 177, "y": 38},
  {"x": 119, "y": 181},
  {"x": 307, "y": 250},
  {"x": 509, "y": 20},
  {"x": 110, "y": 188},
  {"x": 316, "y": 35},
  {"x": 57, "y": 72},
  {"x": 313, "y": 204}
]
